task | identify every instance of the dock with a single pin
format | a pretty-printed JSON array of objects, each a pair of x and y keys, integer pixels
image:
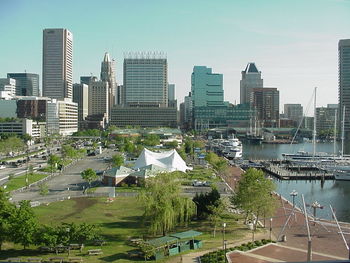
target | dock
[{"x": 297, "y": 173}]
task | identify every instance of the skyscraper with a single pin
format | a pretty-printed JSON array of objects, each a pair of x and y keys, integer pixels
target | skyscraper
[
  {"x": 27, "y": 84},
  {"x": 145, "y": 79},
  {"x": 293, "y": 112},
  {"x": 172, "y": 102},
  {"x": 344, "y": 83},
  {"x": 251, "y": 78},
  {"x": 99, "y": 98},
  {"x": 108, "y": 75},
  {"x": 81, "y": 97},
  {"x": 206, "y": 87},
  {"x": 57, "y": 63}
]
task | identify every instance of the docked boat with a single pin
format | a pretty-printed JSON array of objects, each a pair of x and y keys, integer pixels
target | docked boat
[{"x": 231, "y": 148}]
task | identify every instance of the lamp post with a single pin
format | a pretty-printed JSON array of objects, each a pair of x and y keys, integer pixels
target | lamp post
[
  {"x": 293, "y": 194},
  {"x": 271, "y": 228},
  {"x": 224, "y": 239},
  {"x": 315, "y": 205}
]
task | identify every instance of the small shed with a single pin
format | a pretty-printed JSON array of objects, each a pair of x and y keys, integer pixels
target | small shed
[{"x": 175, "y": 243}]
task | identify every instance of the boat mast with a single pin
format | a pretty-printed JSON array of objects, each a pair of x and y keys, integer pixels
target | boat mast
[
  {"x": 342, "y": 133},
  {"x": 335, "y": 133},
  {"x": 314, "y": 132}
]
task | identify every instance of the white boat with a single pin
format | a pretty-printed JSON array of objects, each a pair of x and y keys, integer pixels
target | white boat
[{"x": 231, "y": 148}]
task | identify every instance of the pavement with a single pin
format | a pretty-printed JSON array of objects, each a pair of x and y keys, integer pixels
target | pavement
[{"x": 68, "y": 184}]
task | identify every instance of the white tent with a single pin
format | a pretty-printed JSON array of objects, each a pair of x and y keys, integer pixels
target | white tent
[{"x": 170, "y": 160}]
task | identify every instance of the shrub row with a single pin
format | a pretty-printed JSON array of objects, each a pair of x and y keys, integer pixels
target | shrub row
[{"x": 218, "y": 256}]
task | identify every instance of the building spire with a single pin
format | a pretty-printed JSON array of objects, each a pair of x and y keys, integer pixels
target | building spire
[{"x": 106, "y": 57}]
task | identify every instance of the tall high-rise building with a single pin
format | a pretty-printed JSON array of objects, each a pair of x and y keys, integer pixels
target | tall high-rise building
[
  {"x": 206, "y": 87},
  {"x": 145, "y": 79},
  {"x": 251, "y": 78},
  {"x": 325, "y": 118},
  {"x": 99, "y": 98},
  {"x": 108, "y": 75},
  {"x": 344, "y": 83},
  {"x": 172, "y": 102},
  {"x": 266, "y": 102},
  {"x": 57, "y": 63},
  {"x": 27, "y": 84},
  {"x": 81, "y": 97},
  {"x": 293, "y": 112}
]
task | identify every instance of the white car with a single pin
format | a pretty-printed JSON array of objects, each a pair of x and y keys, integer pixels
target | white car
[{"x": 2, "y": 167}]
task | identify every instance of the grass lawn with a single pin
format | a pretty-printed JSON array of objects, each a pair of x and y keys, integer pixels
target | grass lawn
[
  {"x": 118, "y": 221},
  {"x": 20, "y": 181}
]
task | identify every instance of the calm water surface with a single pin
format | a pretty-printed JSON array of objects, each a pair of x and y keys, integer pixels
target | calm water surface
[{"x": 336, "y": 193}]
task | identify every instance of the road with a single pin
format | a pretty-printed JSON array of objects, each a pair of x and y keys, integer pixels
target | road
[{"x": 69, "y": 183}]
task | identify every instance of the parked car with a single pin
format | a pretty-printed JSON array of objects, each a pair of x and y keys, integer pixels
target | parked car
[{"x": 2, "y": 167}]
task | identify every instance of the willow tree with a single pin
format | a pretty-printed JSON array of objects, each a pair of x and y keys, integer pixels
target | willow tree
[{"x": 165, "y": 206}]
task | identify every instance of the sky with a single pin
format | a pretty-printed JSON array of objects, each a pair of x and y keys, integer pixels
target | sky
[{"x": 293, "y": 43}]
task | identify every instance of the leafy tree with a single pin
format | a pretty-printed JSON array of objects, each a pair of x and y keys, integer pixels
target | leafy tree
[
  {"x": 151, "y": 140},
  {"x": 254, "y": 196},
  {"x": 117, "y": 160},
  {"x": 218, "y": 163},
  {"x": 6, "y": 211},
  {"x": 68, "y": 152},
  {"x": 89, "y": 175},
  {"x": 24, "y": 225},
  {"x": 206, "y": 202},
  {"x": 53, "y": 161},
  {"x": 182, "y": 153},
  {"x": 165, "y": 207},
  {"x": 47, "y": 236},
  {"x": 146, "y": 249},
  {"x": 173, "y": 145},
  {"x": 11, "y": 144},
  {"x": 215, "y": 215}
]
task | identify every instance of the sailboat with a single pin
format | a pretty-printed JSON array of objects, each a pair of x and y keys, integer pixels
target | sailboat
[{"x": 254, "y": 137}]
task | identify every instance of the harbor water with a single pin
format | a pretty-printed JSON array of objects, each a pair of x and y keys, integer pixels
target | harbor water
[{"x": 336, "y": 193}]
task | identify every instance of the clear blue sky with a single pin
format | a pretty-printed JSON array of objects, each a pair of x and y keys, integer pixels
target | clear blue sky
[{"x": 294, "y": 43}]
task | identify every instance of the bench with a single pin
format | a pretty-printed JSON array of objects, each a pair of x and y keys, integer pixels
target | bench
[
  {"x": 45, "y": 249},
  {"x": 93, "y": 252},
  {"x": 76, "y": 247},
  {"x": 35, "y": 260},
  {"x": 56, "y": 259},
  {"x": 75, "y": 259}
]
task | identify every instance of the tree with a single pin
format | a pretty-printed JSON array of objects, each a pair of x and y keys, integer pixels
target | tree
[
  {"x": 24, "y": 225},
  {"x": 68, "y": 152},
  {"x": 151, "y": 140},
  {"x": 254, "y": 196},
  {"x": 165, "y": 207},
  {"x": 218, "y": 163},
  {"x": 215, "y": 215},
  {"x": 117, "y": 160},
  {"x": 89, "y": 175},
  {"x": 6, "y": 211},
  {"x": 172, "y": 145},
  {"x": 53, "y": 161},
  {"x": 11, "y": 144},
  {"x": 206, "y": 202},
  {"x": 43, "y": 189}
]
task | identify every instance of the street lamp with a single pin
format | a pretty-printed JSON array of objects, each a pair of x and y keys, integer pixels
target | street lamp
[
  {"x": 315, "y": 205},
  {"x": 224, "y": 239},
  {"x": 271, "y": 228},
  {"x": 293, "y": 194}
]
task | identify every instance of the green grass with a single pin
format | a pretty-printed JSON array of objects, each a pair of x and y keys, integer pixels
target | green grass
[
  {"x": 118, "y": 222},
  {"x": 200, "y": 174},
  {"x": 20, "y": 181},
  {"x": 21, "y": 156}
]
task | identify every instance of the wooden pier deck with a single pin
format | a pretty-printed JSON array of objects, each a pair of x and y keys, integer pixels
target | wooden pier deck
[{"x": 283, "y": 173}]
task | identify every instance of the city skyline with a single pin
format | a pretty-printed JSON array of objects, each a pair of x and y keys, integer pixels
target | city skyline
[{"x": 294, "y": 55}]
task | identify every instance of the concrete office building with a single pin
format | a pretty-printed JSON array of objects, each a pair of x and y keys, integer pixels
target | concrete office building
[
  {"x": 325, "y": 118},
  {"x": 144, "y": 116},
  {"x": 24, "y": 126},
  {"x": 99, "y": 98},
  {"x": 31, "y": 107},
  {"x": 344, "y": 83},
  {"x": 108, "y": 75},
  {"x": 57, "y": 63},
  {"x": 206, "y": 87},
  {"x": 27, "y": 84},
  {"x": 293, "y": 112},
  {"x": 81, "y": 97},
  {"x": 145, "y": 79},
  {"x": 251, "y": 78},
  {"x": 61, "y": 117},
  {"x": 7, "y": 87},
  {"x": 266, "y": 104}
]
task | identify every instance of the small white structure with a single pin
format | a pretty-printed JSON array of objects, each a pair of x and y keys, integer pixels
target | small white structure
[{"x": 170, "y": 160}]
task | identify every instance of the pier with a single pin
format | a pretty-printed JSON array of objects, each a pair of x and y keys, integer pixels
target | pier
[{"x": 285, "y": 171}]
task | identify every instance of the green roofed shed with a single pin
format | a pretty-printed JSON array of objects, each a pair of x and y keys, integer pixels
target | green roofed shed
[
  {"x": 162, "y": 241},
  {"x": 187, "y": 234}
]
